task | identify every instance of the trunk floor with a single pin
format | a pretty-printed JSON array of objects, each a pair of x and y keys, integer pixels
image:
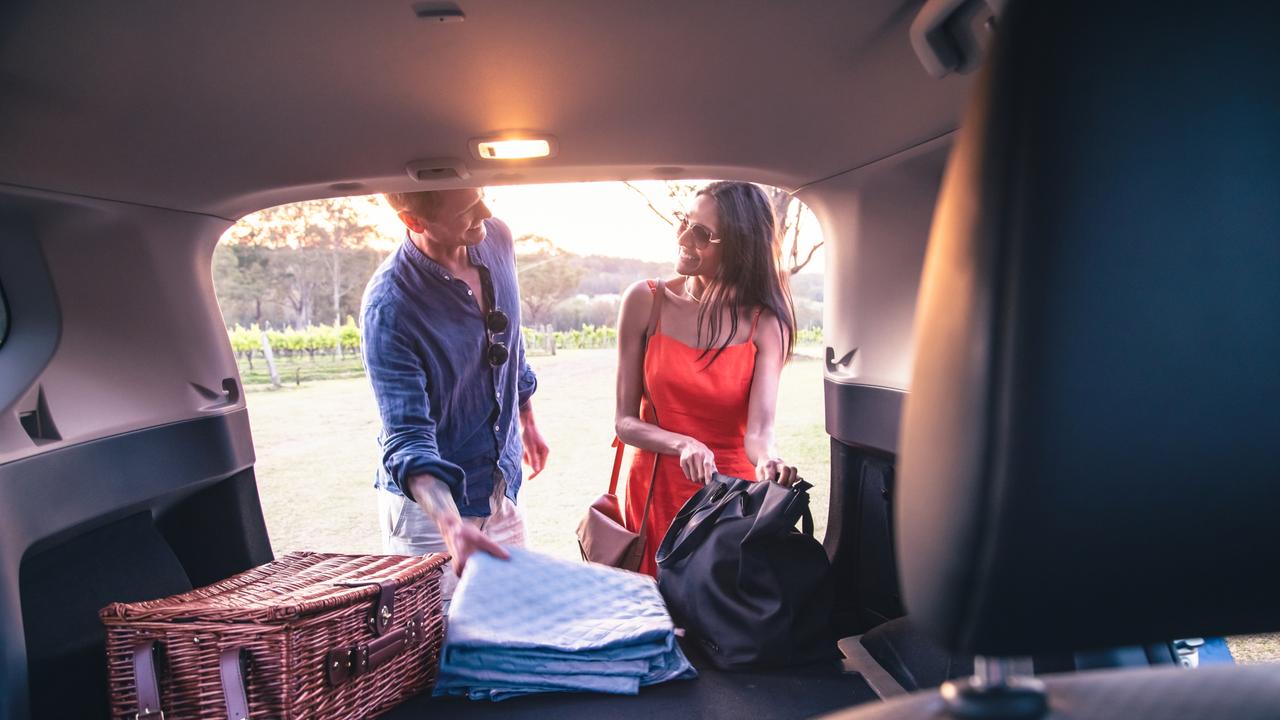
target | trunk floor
[{"x": 797, "y": 692}]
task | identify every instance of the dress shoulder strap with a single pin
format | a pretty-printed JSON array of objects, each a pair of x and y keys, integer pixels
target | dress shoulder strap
[
  {"x": 659, "y": 289},
  {"x": 755, "y": 320}
]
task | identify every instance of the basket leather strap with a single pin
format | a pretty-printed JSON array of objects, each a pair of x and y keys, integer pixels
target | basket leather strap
[
  {"x": 348, "y": 663},
  {"x": 233, "y": 665},
  {"x": 384, "y": 607},
  {"x": 148, "y": 658}
]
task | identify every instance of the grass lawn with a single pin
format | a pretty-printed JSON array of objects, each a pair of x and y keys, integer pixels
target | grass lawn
[
  {"x": 317, "y": 450},
  {"x": 294, "y": 371}
]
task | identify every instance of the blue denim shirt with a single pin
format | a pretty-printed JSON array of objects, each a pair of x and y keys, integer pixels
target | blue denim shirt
[{"x": 444, "y": 410}]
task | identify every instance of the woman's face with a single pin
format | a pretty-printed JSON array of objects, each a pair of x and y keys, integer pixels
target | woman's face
[{"x": 697, "y": 257}]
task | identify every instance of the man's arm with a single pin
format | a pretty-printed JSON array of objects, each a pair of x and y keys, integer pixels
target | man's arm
[
  {"x": 410, "y": 452},
  {"x": 460, "y": 538},
  {"x": 526, "y": 379},
  {"x": 401, "y": 389},
  {"x": 535, "y": 446}
]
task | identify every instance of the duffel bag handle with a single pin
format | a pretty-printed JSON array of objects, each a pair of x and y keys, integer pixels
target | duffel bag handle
[
  {"x": 148, "y": 664},
  {"x": 683, "y": 536},
  {"x": 806, "y": 517}
]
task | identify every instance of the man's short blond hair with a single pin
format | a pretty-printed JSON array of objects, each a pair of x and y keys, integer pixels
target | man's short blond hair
[{"x": 422, "y": 204}]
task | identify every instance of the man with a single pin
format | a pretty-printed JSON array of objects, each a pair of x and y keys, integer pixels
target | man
[{"x": 442, "y": 344}]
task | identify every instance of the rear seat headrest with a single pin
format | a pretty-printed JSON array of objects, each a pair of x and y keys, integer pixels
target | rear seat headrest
[{"x": 1090, "y": 451}]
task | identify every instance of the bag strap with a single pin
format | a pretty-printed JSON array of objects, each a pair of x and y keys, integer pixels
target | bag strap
[
  {"x": 708, "y": 504},
  {"x": 655, "y": 319},
  {"x": 658, "y": 287},
  {"x": 617, "y": 466}
]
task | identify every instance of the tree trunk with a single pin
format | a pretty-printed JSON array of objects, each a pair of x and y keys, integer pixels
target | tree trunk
[
  {"x": 305, "y": 319},
  {"x": 336, "y": 266}
]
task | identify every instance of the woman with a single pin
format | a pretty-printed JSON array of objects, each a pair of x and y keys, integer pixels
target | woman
[{"x": 699, "y": 359}]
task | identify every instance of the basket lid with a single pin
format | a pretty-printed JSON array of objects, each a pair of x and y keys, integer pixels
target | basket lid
[{"x": 297, "y": 584}]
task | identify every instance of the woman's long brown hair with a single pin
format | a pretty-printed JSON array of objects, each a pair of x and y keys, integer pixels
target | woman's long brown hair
[{"x": 749, "y": 274}]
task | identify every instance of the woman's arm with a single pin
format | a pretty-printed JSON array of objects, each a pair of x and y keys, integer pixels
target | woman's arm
[
  {"x": 696, "y": 460},
  {"x": 763, "y": 404}
]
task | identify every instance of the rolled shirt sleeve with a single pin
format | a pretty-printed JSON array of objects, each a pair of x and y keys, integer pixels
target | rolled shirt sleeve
[
  {"x": 526, "y": 380},
  {"x": 402, "y": 391}
]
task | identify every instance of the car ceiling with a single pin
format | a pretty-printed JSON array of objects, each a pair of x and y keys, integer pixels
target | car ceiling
[{"x": 227, "y": 107}]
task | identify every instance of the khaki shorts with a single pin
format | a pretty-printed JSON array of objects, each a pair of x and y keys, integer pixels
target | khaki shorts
[{"x": 407, "y": 530}]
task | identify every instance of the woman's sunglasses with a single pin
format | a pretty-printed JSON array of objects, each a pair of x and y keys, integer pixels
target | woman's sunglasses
[
  {"x": 701, "y": 234},
  {"x": 496, "y": 322}
]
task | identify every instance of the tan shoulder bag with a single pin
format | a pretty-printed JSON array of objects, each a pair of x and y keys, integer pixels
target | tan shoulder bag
[{"x": 603, "y": 536}]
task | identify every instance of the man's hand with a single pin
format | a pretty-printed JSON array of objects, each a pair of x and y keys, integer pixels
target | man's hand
[
  {"x": 461, "y": 538},
  {"x": 535, "y": 448}
]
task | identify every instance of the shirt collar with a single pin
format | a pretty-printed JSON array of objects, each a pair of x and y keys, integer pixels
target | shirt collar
[{"x": 426, "y": 264}]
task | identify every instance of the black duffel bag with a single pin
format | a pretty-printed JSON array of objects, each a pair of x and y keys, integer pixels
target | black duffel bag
[{"x": 744, "y": 583}]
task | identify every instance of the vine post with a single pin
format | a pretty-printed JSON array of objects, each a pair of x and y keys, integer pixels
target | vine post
[{"x": 271, "y": 362}]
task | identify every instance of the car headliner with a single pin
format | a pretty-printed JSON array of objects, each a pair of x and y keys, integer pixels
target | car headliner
[{"x": 227, "y": 107}]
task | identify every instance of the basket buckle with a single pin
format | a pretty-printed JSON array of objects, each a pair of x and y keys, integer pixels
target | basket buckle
[{"x": 149, "y": 715}]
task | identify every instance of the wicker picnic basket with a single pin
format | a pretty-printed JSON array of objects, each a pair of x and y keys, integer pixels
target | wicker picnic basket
[{"x": 309, "y": 635}]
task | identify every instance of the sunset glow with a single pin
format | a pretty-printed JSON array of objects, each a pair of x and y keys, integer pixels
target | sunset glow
[{"x": 602, "y": 218}]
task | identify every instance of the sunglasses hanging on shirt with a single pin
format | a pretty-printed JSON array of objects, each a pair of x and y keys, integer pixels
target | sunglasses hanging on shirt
[{"x": 496, "y": 322}]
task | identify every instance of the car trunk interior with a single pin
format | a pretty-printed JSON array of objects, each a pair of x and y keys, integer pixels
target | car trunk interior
[
  {"x": 133, "y": 138},
  {"x": 167, "y": 500}
]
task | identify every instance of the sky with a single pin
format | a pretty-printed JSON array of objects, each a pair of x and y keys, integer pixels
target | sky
[{"x": 605, "y": 218}]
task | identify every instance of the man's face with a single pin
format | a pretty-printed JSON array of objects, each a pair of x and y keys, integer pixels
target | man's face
[{"x": 459, "y": 220}]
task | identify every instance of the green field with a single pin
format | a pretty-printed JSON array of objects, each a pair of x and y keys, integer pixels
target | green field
[{"x": 317, "y": 450}]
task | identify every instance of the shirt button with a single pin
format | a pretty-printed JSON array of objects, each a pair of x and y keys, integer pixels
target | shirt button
[
  {"x": 497, "y": 428},
  {"x": 470, "y": 293},
  {"x": 499, "y": 394},
  {"x": 446, "y": 277}
]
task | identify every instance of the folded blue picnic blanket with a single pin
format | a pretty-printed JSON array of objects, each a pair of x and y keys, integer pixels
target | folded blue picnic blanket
[{"x": 536, "y": 624}]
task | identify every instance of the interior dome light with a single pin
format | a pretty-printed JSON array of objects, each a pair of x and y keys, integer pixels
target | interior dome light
[{"x": 513, "y": 149}]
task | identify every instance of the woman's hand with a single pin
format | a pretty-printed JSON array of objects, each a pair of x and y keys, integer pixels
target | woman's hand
[
  {"x": 773, "y": 468},
  {"x": 697, "y": 461}
]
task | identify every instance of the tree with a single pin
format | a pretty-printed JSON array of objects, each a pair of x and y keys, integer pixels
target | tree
[
  {"x": 316, "y": 249},
  {"x": 786, "y": 208},
  {"x": 547, "y": 276},
  {"x": 242, "y": 275},
  {"x": 790, "y": 212}
]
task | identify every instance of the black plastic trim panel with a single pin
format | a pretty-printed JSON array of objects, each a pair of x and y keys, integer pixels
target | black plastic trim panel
[
  {"x": 864, "y": 415},
  {"x": 184, "y": 475}
]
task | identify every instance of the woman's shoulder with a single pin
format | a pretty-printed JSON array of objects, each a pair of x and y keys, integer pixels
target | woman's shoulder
[
  {"x": 768, "y": 328},
  {"x": 647, "y": 289},
  {"x": 764, "y": 315},
  {"x": 637, "y": 300},
  {"x": 640, "y": 289}
]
